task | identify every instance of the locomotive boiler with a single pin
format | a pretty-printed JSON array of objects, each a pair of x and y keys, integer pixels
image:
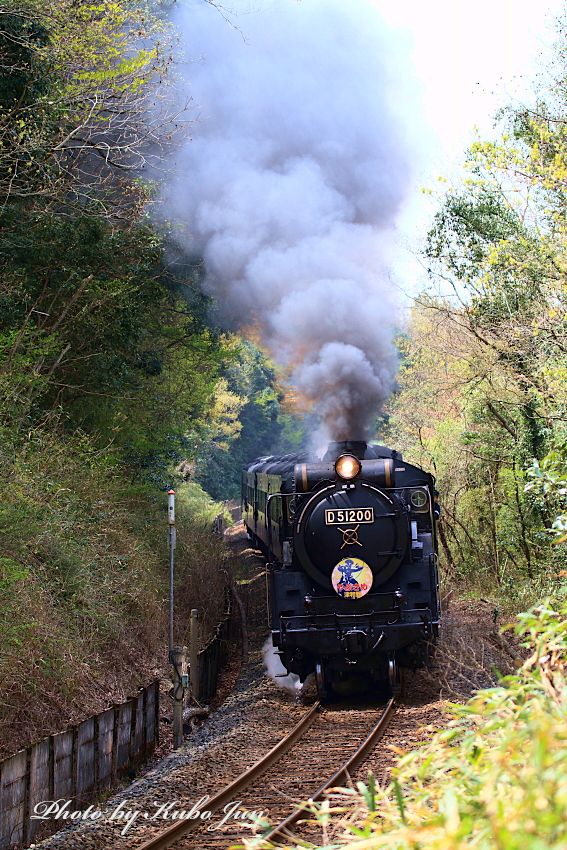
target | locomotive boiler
[{"x": 351, "y": 554}]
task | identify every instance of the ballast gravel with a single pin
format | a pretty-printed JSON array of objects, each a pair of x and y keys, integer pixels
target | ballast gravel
[{"x": 251, "y": 720}]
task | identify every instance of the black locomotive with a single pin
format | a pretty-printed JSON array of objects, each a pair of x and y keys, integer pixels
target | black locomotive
[{"x": 352, "y": 560}]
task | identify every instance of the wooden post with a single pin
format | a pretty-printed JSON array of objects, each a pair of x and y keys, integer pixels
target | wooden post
[
  {"x": 180, "y": 682},
  {"x": 75, "y": 763},
  {"x": 95, "y": 755},
  {"x": 194, "y": 654},
  {"x": 115, "y": 728},
  {"x": 27, "y": 799},
  {"x": 156, "y": 712}
]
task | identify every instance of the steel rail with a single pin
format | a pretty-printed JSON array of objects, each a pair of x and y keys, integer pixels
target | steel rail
[
  {"x": 226, "y": 795},
  {"x": 340, "y": 775}
]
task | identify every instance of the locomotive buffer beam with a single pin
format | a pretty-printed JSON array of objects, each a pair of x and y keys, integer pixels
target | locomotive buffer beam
[{"x": 326, "y": 636}]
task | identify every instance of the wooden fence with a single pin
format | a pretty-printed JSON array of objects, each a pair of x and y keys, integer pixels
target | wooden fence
[
  {"x": 75, "y": 765},
  {"x": 212, "y": 658}
]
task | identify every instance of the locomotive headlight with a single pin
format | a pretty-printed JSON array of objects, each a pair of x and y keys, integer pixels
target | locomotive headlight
[{"x": 347, "y": 467}]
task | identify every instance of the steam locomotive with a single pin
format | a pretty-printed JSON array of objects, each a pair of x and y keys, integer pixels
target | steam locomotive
[{"x": 351, "y": 554}]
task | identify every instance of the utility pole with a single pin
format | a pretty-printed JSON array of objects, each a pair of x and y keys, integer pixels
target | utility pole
[{"x": 177, "y": 654}]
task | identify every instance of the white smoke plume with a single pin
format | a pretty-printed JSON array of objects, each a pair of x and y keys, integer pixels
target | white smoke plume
[
  {"x": 290, "y": 186},
  {"x": 276, "y": 671}
]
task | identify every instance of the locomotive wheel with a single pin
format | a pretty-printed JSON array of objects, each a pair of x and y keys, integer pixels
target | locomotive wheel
[
  {"x": 394, "y": 677},
  {"x": 323, "y": 689}
]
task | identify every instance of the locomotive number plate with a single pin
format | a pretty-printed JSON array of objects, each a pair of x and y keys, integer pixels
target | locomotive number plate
[{"x": 348, "y": 515}]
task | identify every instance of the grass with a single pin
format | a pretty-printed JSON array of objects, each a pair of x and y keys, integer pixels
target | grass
[{"x": 84, "y": 582}]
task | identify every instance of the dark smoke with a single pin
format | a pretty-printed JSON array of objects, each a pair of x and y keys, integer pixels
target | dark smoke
[{"x": 290, "y": 189}]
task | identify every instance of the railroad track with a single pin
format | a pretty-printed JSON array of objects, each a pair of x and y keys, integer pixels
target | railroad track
[{"x": 320, "y": 752}]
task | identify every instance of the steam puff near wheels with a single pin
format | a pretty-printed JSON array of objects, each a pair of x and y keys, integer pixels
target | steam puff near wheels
[
  {"x": 290, "y": 185},
  {"x": 276, "y": 671}
]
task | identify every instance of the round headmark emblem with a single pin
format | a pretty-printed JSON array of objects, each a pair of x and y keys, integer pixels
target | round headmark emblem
[{"x": 352, "y": 578}]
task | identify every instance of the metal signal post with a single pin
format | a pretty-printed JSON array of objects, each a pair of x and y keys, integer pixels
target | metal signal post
[
  {"x": 172, "y": 540},
  {"x": 177, "y": 654}
]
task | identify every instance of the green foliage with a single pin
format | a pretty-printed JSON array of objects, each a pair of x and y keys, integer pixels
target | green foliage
[
  {"x": 495, "y": 778},
  {"x": 549, "y": 480},
  {"x": 75, "y": 98},
  {"x": 12, "y": 627},
  {"x": 94, "y": 333},
  {"x": 467, "y": 227},
  {"x": 482, "y": 387},
  {"x": 264, "y": 427},
  {"x": 91, "y": 333},
  {"x": 192, "y": 501}
]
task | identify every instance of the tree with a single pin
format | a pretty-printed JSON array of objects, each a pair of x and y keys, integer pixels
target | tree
[
  {"x": 95, "y": 332},
  {"x": 79, "y": 112},
  {"x": 493, "y": 357},
  {"x": 264, "y": 426}
]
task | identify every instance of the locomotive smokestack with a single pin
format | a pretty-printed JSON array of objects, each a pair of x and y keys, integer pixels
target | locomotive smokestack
[{"x": 341, "y": 447}]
